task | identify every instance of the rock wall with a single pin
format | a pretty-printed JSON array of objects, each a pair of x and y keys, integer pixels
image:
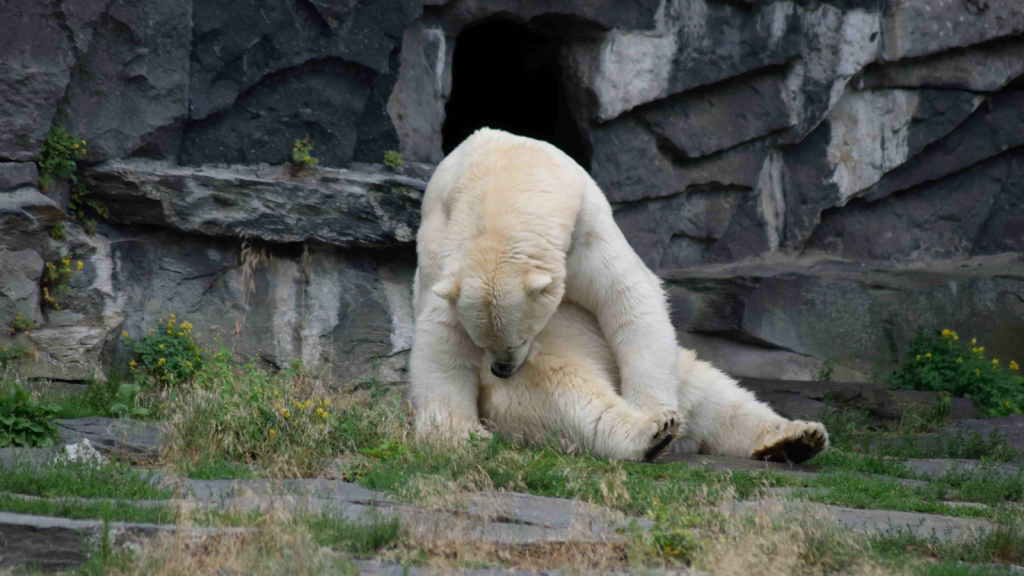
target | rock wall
[{"x": 814, "y": 180}]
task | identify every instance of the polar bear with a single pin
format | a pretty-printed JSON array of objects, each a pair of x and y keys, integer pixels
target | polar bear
[
  {"x": 568, "y": 389},
  {"x": 510, "y": 228}
]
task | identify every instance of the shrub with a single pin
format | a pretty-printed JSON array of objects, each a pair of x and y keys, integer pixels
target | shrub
[
  {"x": 55, "y": 280},
  {"x": 22, "y": 324},
  {"x": 24, "y": 423},
  {"x": 167, "y": 355},
  {"x": 302, "y": 156},
  {"x": 393, "y": 160},
  {"x": 941, "y": 362}
]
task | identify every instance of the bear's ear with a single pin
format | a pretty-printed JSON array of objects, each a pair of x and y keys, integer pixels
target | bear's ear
[
  {"x": 447, "y": 288},
  {"x": 535, "y": 282}
]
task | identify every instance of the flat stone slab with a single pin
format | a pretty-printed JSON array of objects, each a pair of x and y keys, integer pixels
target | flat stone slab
[
  {"x": 723, "y": 463},
  {"x": 935, "y": 467},
  {"x": 139, "y": 439},
  {"x": 945, "y": 527},
  {"x": 373, "y": 568},
  {"x": 28, "y": 456},
  {"x": 59, "y": 543}
]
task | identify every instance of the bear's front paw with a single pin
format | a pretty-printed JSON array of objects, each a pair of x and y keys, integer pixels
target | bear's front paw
[
  {"x": 791, "y": 441},
  {"x": 665, "y": 426}
]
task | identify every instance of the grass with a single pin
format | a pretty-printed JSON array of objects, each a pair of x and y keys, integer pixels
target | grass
[
  {"x": 81, "y": 480},
  {"x": 361, "y": 538},
  {"x": 83, "y": 510}
]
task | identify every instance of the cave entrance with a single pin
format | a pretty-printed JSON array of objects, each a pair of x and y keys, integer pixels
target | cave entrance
[{"x": 508, "y": 76}]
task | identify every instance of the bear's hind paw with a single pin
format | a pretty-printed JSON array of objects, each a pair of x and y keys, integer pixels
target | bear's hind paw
[
  {"x": 667, "y": 427},
  {"x": 794, "y": 441}
]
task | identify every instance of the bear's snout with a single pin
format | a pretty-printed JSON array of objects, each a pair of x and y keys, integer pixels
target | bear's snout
[{"x": 502, "y": 370}]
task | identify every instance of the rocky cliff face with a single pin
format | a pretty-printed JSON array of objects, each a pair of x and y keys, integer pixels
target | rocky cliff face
[{"x": 814, "y": 180}]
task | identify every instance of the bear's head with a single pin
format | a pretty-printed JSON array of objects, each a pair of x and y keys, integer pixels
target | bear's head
[{"x": 503, "y": 301}]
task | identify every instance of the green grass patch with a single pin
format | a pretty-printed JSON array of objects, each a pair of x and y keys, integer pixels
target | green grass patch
[
  {"x": 65, "y": 478},
  {"x": 82, "y": 510},
  {"x": 362, "y": 537}
]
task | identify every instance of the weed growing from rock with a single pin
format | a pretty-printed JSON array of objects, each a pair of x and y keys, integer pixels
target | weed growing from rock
[
  {"x": 941, "y": 362},
  {"x": 302, "y": 157},
  {"x": 58, "y": 159},
  {"x": 56, "y": 278},
  {"x": 9, "y": 354},
  {"x": 393, "y": 160},
  {"x": 22, "y": 324},
  {"x": 58, "y": 231}
]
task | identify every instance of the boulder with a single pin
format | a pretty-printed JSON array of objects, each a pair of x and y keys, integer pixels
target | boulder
[
  {"x": 20, "y": 271},
  {"x": 862, "y": 315},
  {"x": 35, "y": 70},
  {"x": 369, "y": 207},
  {"x": 920, "y": 27},
  {"x": 983, "y": 68},
  {"x": 263, "y": 74},
  {"x": 15, "y": 175},
  {"x": 129, "y": 88}
]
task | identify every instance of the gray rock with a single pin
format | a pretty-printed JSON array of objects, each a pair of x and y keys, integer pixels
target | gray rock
[
  {"x": 23, "y": 214},
  {"x": 971, "y": 212},
  {"x": 454, "y": 15},
  {"x": 15, "y": 175},
  {"x": 867, "y": 135},
  {"x": 935, "y": 468},
  {"x": 54, "y": 544},
  {"x": 35, "y": 72},
  {"x": 20, "y": 272},
  {"x": 861, "y": 314},
  {"x": 340, "y": 207},
  {"x": 137, "y": 439},
  {"x": 700, "y": 122},
  {"x": 263, "y": 74},
  {"x": 128, "y": 89},
  {"x": 919, "y": 27},
  {"x": 884, "y": 521},
  {"x": 417, "y": 105},
  {"x": 690, "y": 46},
  {"x": 993, "y": 128},
  {"x": 629, "y": 165},
  {"x": 983, "y": 68}
]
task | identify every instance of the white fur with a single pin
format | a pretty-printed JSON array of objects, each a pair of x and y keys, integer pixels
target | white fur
[
  {"x": 569, "y": 389},
  {"x": 500, "y": 213}
]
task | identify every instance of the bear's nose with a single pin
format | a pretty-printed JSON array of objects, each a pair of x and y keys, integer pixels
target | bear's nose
[{"x": 502, "y": 370}]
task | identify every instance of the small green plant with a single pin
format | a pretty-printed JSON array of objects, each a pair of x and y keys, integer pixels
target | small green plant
[
  {"x": 89, "y": 226},
  {"x": 393, "y": 160},
  {"x": 77, "y": 203},
  {"x": 10, "y": 353},
  {"x": 57, "y": 232},
  {"x": 23, "y": 422},
  {"x": 941, "y": 362},
  {"x": 827, "y": 371},
  {"x": 302, "y": 156},
  {"x": 167, "y": 355},
  {"x": 58, "y": 159},
  {"x": 56, "y": 278},
  {"x": 126, "y": 402},
  {"x": 22, "y": 324}
]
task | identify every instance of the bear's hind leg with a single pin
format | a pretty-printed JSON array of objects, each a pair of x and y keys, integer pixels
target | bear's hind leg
[
  {"x": 790, "y": 441},
  {"x": 623, "y": 433}
]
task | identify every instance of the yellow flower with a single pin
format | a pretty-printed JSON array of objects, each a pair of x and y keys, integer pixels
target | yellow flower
[
  {"x": 946, "y": 333},
  {"x": 161, "y": 362},
  {"x": 80, "y": 265},
  {"x": 84, "y": 143},
  {"x": 918, "y": 357},
  {"x": 960, "y": 360},
  {"x": 133, "y": 364},
  {"x": 150, "y": 331},
  {"x": 180, "y": 334},
  {"x": 273, "y": 432},
  {"x": 161, "y": 346},
  {"x": 276, "y": 393},
  {"x": 1014, "y": 365},
  {"x": 928, "y": 355},
  {"x": 168, "y": 332},
  {"x": 66, "y": 261},
  {"x": 955, "y": 337},
  {"x": 124, "y": 333},
  {"x": 974, "y": 341},
  {"x": 977, "y": 372},
  {"x": 286, "y": 414},
  {"x": 995, "y": 362}
]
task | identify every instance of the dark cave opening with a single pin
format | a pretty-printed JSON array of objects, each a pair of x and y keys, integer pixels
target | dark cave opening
[{"x": 508, "y": 76}]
